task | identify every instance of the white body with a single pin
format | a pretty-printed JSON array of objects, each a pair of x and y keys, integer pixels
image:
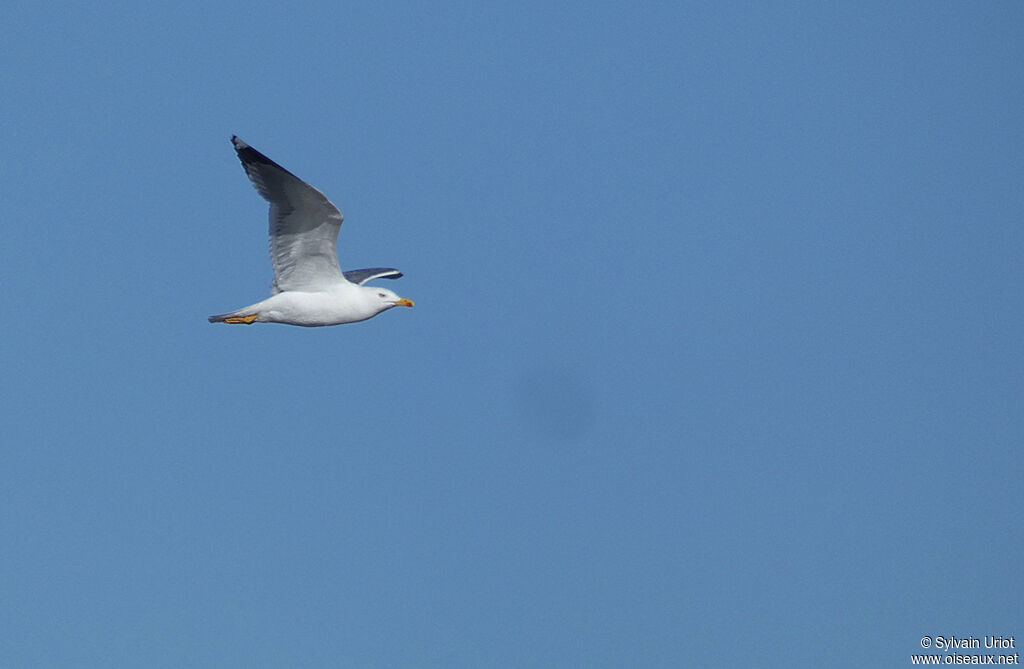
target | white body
[{"x": 338, "y": 304}]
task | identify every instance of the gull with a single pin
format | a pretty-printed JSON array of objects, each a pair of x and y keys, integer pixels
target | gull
[{"x": 309, "y": 287}]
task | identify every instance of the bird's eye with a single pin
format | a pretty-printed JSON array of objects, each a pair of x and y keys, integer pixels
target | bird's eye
[{"x": 381, "y": 295}]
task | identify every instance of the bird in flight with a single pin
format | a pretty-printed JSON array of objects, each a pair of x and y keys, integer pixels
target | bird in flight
[{"x": 309, "y": 287}]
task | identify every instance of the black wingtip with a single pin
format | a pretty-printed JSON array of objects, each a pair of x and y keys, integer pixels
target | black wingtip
[
  {"x": 250, "y": 156},
  {"x": 244, "y": 149}
]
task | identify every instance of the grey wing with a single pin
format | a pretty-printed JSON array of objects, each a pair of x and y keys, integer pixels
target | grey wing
[
  {"x": 304, "y": 224},
  {"x": 361, "y": 276}
]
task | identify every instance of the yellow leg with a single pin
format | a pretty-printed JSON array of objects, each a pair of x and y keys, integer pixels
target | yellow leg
[{"x": 248, "y": 320}]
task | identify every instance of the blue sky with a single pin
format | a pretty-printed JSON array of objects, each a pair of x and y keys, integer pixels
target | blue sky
[{"x": 716, "y": 358}]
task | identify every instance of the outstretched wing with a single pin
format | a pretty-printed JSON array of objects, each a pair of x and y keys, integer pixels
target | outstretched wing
[
  {"x": 361, "y": 276},
  {"x": 304, "y": 224}
]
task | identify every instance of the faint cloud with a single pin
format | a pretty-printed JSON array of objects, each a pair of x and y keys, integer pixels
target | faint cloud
[{"x": 556, "y": 400}]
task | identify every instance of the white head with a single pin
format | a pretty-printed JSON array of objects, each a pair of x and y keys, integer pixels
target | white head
[{"x": 382, "y": 298}]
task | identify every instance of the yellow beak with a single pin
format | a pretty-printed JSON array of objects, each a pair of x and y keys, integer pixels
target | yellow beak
[{"x": 404, "y": 302}]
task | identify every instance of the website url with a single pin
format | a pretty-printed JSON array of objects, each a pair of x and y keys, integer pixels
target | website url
[{"x": 958, "y": 658}]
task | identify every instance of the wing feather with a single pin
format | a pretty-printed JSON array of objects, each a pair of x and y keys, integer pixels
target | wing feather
[
  {"x": 361, "y": 276},
  {"x": 304, "y": 224}
]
